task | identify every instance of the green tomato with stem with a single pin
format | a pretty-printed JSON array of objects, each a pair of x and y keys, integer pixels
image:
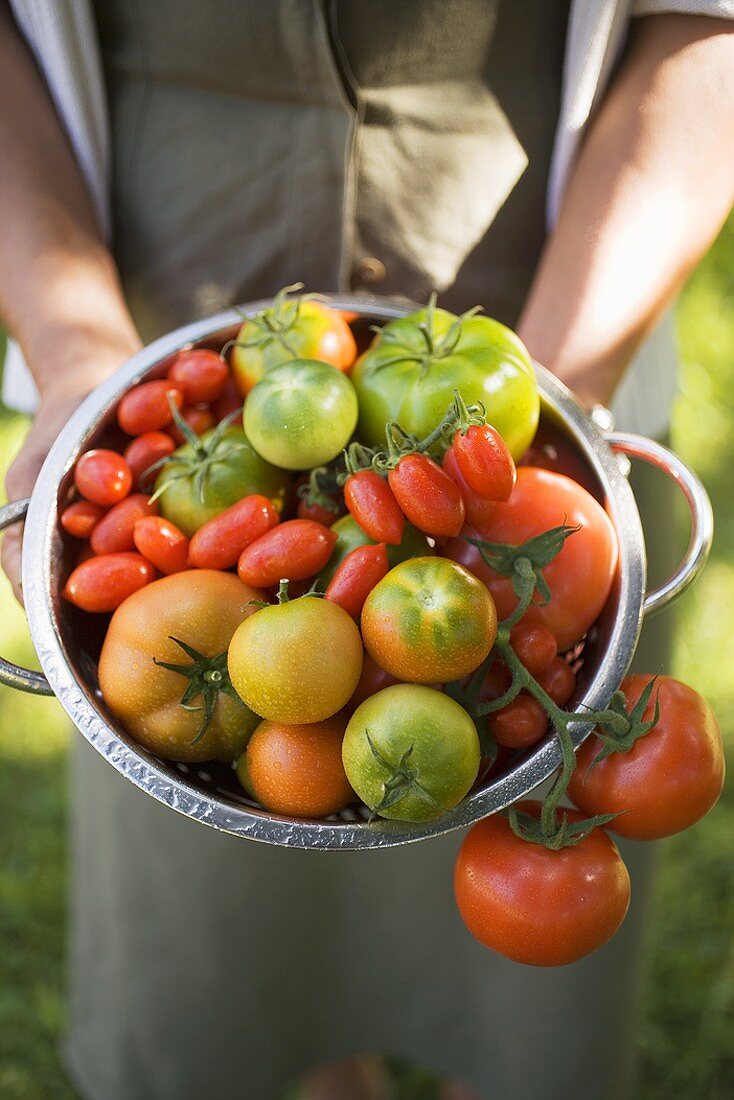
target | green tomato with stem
[{"x": 349, "y": 535}]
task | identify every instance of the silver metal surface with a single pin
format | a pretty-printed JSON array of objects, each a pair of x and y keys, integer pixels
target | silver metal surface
[
  {"x": 65, "y": 641},
  {"x": 699, "y": 507},
  {"x": 22, "y": 679}
]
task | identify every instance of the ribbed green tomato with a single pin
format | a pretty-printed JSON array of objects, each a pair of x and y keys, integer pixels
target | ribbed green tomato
[
  {"x": 429, "y": 621},
  {"x": 301, "y": 415},
  {"x": 412, "y": 368},
  {"x": 416, "y": 733},
  {"x": 198, "y": 484},
  {"x": 350, "y": 535}
]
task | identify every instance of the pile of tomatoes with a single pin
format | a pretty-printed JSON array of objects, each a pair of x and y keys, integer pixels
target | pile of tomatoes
[{"x": 339, "y": 574}]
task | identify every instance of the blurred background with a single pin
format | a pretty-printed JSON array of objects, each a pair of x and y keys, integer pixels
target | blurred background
[{"x": 686, "y": 1035}]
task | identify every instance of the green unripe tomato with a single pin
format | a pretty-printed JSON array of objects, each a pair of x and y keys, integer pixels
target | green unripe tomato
[
  {"x": 422, "y": 732},
  {"x": 349, "y": 535},
  {"x": 301, "y": 414}
]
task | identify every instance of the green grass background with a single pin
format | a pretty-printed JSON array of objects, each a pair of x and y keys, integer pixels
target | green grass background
[{"x": 686, "y": 1037}]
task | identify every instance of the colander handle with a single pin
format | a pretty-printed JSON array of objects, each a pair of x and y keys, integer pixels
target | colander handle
[
  {"x": 22, "y": 679},
  {"x": 699, "y": 506}
]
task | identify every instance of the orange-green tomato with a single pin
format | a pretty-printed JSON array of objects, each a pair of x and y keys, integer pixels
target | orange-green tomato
[
  {"x": 418, "y": 734},
  {"x": 203, "y": 608},
  {"x": 291, "y": 329},
  {"x": 429, "y": 621},
  {"x": 296, "y": 662},
  {"x": 297, "y": 770}
]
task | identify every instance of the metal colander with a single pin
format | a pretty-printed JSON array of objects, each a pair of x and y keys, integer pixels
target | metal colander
[{"x": 68, "y": 642}]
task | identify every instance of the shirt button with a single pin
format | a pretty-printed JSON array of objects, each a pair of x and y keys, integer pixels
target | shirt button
[{"x": 371, "y": 270}]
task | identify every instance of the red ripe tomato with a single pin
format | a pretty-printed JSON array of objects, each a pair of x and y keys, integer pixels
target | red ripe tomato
[
  {"x": 372, "y": 680},
  {"x": 672, "y": 775},
  {"x": 103, "y": 477},
  {"x": 161, "y": 542},
  {"x": 200, "y": 374},
  {"x": 534, "y": 905},
  {"x": 534, "y": 645},
  {"x": 146, "y": 408},
  {"x": 230, "y": 402},
  {"x": 430, "y": 499},
  {"x": 80, "y": 518},
  {"x": 144, "y": 451},
  {"x": 476, "y": 507},
  {"x": 552, "y": 450},
  {"x": 372, "y": 504},
  {"x": 316, "y": 512},
  {"x": 103, "y": 583},
  {"x": 520, "y": 724},
  {"x": 485, "y": 462},
  {"x": 199, "y": 420},
  {"x": 356, "y": 576},
  {"x": 558, "y": 680},
  {"x": 220, "y": 541},
  {"x": 114, "y": 532},
  {"x": 293, "y": 551},
  {"x": 579, "y": 577}
]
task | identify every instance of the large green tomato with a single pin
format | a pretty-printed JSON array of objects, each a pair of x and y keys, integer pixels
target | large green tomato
[
  {"x": 410, "y": 752},
  {"x": 200, "y": 482},
  {"x": 412, "y": 368},
  {"x": 301, "y": 415},
  {"x": 349, "y": 535}
]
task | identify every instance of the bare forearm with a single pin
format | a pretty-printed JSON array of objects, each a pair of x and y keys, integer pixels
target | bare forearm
[
  {"x": 59, "y": 291},
  {"x": 652, "y": 187}
]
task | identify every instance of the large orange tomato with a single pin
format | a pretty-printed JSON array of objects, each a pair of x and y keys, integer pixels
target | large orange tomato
[
  {"x": 164, "y": 624},
  {"x": 579, "y": 577}
]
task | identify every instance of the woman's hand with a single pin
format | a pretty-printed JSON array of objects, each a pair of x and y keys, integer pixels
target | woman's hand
[{"x": 58, "y": 402}]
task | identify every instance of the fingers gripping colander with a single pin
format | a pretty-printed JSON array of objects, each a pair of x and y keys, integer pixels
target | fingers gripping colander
[{"x": 67, "y": 643}]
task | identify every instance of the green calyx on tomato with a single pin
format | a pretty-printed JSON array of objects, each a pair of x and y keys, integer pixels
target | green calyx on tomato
[
  {"x": 210, "y": 473},
  {"x": 410, "y": 752},
  {"x": 350, "y": 535},
  {"x": 301, "y": 414},
  {"x": 291, "y": 328},
  {"x": 411, "y": 370},
  {"x": 207, "y": 679}
]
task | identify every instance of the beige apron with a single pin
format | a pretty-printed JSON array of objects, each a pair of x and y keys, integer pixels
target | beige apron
[{"x": 387, "y": 147}]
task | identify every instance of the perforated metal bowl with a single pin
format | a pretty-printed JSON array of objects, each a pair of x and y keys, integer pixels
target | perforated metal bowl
[{"x": 67, "y": 642}]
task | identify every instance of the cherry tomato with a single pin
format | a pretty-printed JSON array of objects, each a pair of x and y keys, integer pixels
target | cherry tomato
[
  {"x": 161, "y": 542},
  {"x": 372, "y": 504},
  {"x": 579, "y": 577},
  {"x": 295, "y": 550},
  {"x": 357, "y": 576},
  {"x": 669, "y": 779},
  {"x": 144, "y": 451},
  {"x": 534, "y": 905},
  {"x": 534, "y": 645},
  {"x": 80, "y": 518},
  {"x": 230, "y": 402},
  {"x": 220, "y": 541},
  {"x": 103, "y": 477},
  {"x": 297, "y": 769},
  {"x": 558, "y": 680},
  {"x": 372, "y": 680},
  {"x": 429, "y": 621},
  {"x": 430, "y": 499},
  {"x": 200, "y": 374},
  {"x": 520, "y": 724},
  {"x": 476, "y": 507},
  {"x": 316, "y": 512},
  {"x": 199, "y": 420},
  {"x": 146, "y": 408},
  {"x": 102, "y": 583},
  {"x": 114, "y": 532},
  {"x": 485, "y": 461}
]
